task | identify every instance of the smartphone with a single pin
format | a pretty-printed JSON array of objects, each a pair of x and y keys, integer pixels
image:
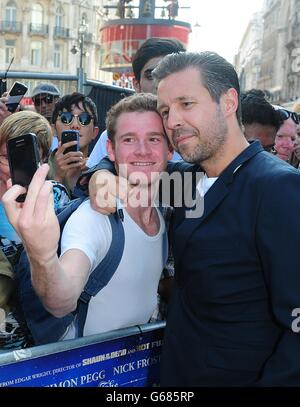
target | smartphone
[
  {"x": 70, "y": 135},
  {"x": 15, "y": 95},
  {"x": 24, "y": 160}
]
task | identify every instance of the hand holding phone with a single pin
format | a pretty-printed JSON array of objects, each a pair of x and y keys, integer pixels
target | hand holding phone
[
  {"x": 70, "y": 135},
  {"x": 24, "y": 160},
  {"x": 15, "y": 95}
]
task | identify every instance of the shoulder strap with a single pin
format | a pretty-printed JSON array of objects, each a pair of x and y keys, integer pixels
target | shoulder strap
[
  {"x": 64, "y": 213},
  {"x": 102, "y": 274}
]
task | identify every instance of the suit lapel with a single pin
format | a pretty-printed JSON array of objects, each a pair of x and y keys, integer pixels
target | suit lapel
[
  {"x": 184, "y": 226},
  {"x": 187, "y": 225}
]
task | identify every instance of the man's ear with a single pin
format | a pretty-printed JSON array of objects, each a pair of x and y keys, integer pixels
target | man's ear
[
  {"x": 230, "y": 102},
  {"x": 96, "y": 131},
  {"x": 110, "y": 150},
  {"x": 136, "y": 85}
]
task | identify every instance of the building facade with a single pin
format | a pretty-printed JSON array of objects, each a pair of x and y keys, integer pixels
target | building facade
[
  {"x": 291, "y": 87},
  {"x": 274, "y": 52},
  {"x": 279, "y": 71},
  {"x": 248, "y": 60},
  {"x": 51, "y": 36}
]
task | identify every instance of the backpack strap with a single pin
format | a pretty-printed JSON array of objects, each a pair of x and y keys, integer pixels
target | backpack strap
[
  {"x": 43, "y": 326},
  {"x": 63, "y": 215},
  {"x": 102, "y": 274}
]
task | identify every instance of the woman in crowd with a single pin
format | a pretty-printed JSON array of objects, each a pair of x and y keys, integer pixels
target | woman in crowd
[
  {"x": 295, "y": 158},
  {"x": 17, "y": 124}
]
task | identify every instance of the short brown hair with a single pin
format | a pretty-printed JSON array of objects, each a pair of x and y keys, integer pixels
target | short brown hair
[
  {"x": 140, "y": 102},
  {"x": 217, "y": 75},
  {"x": 27, "y": 122},
  {"x": 296, "y": 107},
  {"x": 153, "y": 48}
]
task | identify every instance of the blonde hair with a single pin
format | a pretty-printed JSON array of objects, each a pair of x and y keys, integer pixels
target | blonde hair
[
  {"x": 27, "y": 122},
  {"x": 296, "y": 107}
]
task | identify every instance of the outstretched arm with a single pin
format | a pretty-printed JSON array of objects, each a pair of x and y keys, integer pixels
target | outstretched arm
[
  {"x": 58, "y": 282},
  {"x": 104, "y": 185}
]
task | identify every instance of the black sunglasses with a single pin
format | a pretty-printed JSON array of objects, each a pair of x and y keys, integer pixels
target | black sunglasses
[
  {"x": 67, "y": 118},
  {"x": 286, "y": 114},
  {"x": 148, "y": 74},
  {"x": 37, "y": 100}
]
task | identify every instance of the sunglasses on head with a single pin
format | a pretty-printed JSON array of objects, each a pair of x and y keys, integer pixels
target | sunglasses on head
[
  {"x": 37, "y": 100},
  {"x": 67, "y": 118},
  {"x": 286, "y": 114}
]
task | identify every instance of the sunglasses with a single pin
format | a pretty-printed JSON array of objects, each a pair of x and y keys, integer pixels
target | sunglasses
[
  {"x": 4, "y": 159},
  {"x": 46, "y": 99},
  {"x": 286, "y": 114},
  {"x": 148, "y": 74},
  {"x": 67, "y": 118}
]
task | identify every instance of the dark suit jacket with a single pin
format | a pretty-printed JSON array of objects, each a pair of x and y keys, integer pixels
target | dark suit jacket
[{"x": 237, "y": 280}]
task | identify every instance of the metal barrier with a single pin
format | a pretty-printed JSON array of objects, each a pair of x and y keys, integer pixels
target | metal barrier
[
  {"x": 104, "y": 95},
  {"x": 128, "y": 357}
]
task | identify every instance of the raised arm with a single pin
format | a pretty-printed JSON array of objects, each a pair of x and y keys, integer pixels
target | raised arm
[
  {"x": 106, "y": 164},
  {"x": 66, "y": 168},
  {"x": 58, "y": 282},
  {"x": 104, "y": 185}
]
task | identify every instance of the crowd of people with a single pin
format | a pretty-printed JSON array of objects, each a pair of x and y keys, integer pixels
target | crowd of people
[{"x": 229, "y": 277}]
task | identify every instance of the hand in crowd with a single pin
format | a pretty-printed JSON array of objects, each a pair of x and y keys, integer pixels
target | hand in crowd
[
  {"x": 65, "y": 162},
  {"x": 35, "y": 220},
  {"x": 104, "y": 188},
  {"x": 68, "y": 166},
  {"x": 3, "y": 108}
]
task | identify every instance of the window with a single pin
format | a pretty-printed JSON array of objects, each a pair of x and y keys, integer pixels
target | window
[
  {"x": 59, "y": 17},
  {"x": 11, "y": 11},
  {"x": 37, "y": 14},
  {"x": 84, "y": 18},
  {"x": 10, "y": 47},
  {"x": 57, "y": 56},
  {"x": 36, "y": 53}
]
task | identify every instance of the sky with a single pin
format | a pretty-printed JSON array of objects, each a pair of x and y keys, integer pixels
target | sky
[{"x": 222, "y": 24}]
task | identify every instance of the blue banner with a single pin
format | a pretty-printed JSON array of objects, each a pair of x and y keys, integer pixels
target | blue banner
[{"x": 131, "y": 361}]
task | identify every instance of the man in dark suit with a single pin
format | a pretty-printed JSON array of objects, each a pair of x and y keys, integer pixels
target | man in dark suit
[
  {"x": 232, "y": 318},
  {"x": 237, "y": 281}
]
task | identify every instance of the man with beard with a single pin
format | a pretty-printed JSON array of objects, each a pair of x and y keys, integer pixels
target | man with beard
[
  {"x": 44, "y": 97},
  {"x": 232, "y": 318}
]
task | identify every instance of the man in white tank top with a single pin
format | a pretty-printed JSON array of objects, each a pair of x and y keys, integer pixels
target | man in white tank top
[{"x": 138, "y": 146}]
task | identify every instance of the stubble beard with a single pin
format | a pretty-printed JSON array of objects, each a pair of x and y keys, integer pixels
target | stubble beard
[{"x": 209, "y": 146}]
